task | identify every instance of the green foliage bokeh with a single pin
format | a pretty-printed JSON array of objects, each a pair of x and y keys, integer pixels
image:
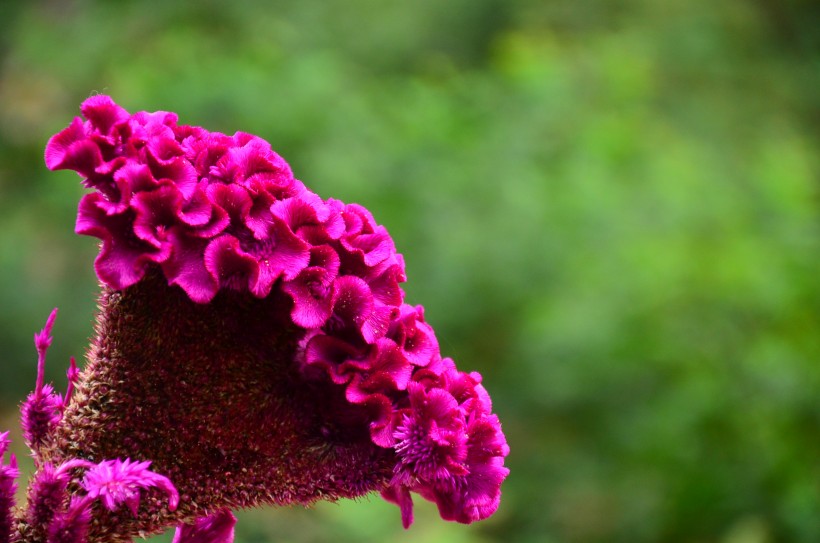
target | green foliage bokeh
[{"x": 608, "y": 208}]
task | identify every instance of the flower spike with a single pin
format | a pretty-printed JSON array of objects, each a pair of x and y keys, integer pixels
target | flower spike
[
  {"x": 72, "y": 374},
  {"x": 42, "y": 410},
  {"x": 42, "y": 340}
]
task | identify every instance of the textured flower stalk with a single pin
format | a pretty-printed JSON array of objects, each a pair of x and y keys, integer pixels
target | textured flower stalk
[{"x": 252, "y": 347}]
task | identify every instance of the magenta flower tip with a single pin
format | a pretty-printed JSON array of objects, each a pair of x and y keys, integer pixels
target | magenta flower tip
[
  {"x": 216, "y": 528},
  {"x": 72, "y": 375},
  {"x": 400, "y": 495},
  {"x": 42, "y": 339},
  {"x": 13, "y": 470},
  {"x": 4, "y": 442},
  {"x": 72, "y": 372}
]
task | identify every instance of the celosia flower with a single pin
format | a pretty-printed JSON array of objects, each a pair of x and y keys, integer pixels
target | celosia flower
[
  {"x": 252, "y": 343},
  {"x": 118, "y": 482},
  {"x": 46, "y": 498},
  {"x": 42, "y": 409},
  {"x": 70, "y": 525}
]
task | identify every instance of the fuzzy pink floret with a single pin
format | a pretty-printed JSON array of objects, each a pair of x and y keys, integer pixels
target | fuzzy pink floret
[
  {"x": 117, "y": 482},
  {"x": 216, "y": 212},
  {"x": 40, "y": 414},
  {"x": 72, "y": 524},
  {"x": 43, "y": 408}
]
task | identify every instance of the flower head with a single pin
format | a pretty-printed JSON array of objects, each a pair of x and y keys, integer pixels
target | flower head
[
  {"x": 117, "y": 482},
  {"x": 72, "y": 524},
  {"x": 42, "y": 409},
  {"x": 253, "y": 340}
]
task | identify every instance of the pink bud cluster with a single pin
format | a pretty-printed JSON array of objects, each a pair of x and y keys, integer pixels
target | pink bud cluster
[
  {"x": 42, "y": 410},
  {"x": 66, "y": 518},
  {"x": 216, "y": 212},
  {"x": 52, "y": 513}
]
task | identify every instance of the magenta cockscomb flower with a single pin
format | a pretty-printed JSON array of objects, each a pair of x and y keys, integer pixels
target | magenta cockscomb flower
[{"x": 253, "y": 345}]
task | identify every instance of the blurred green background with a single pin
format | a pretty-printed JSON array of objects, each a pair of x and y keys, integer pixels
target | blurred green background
[{"x": 610, "y": 208}]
